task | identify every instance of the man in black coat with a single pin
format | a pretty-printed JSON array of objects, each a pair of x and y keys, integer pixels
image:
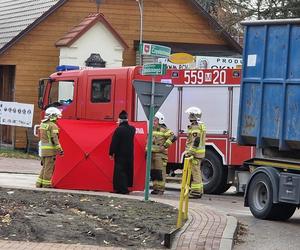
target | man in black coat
[{"x": 121, "y": 150}]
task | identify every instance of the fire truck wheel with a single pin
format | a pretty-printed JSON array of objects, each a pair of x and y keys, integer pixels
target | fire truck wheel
[
  {"x": 225, "y": 188},
  {"x": 214, "y": 174}
]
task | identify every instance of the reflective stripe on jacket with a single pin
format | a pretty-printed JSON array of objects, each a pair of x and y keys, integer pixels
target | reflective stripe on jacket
[
  {"x": 49, "y": 143},
  {"x": 195, "y": 144},
  {"x": 162, "y": 137}
]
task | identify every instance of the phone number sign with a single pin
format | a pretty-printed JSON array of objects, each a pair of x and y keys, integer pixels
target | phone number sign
[{"x": 16, "y": 114}]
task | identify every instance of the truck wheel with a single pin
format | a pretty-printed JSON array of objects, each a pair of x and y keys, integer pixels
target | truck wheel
[
  {"x": 260, "y": 200},
  {"x": 260, "y": 197},
  {"x": 283, "y": 211},
  {"x": 214, "y": 174}
]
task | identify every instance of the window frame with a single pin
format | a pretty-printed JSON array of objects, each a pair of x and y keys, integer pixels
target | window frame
[{"x": 105, "y": 82}]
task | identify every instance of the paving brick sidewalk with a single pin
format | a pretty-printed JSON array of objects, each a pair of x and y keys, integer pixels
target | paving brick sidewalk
[
  {"x": 26, "y": 166},
  {"x": 204, "y": 229}
]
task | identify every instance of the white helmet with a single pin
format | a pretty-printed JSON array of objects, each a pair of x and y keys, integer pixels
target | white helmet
[
  {"x": 160, "y": 117},
  {"x": 52, "y": 113},
  {"x": 194, "y": 113}
]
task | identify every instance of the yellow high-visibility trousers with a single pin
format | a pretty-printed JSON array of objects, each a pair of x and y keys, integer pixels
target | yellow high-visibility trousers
[
  {"x": 44, "y": 179},
  {"x": 158, "y": 171},
  {"x": 196, "y": 183}
]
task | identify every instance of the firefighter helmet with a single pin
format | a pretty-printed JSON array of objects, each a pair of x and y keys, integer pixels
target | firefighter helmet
[
  {"x": 160, "y": 117},
  {"x": 194, "y": 113},
  {"x": 52, "y": 113}
]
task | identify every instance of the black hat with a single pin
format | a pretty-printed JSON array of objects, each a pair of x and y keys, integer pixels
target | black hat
[{"x": 123, "y": 115}]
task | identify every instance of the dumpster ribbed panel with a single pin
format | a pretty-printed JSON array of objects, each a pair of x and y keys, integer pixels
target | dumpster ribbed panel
[{"x": 270, "y": 98}]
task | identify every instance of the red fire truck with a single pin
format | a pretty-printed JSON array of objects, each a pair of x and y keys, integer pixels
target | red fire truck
[{"x": 100, "y": 94}]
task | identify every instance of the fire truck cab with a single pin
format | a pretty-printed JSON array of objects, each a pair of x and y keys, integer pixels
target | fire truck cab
[{"x": 100, "y": 94}]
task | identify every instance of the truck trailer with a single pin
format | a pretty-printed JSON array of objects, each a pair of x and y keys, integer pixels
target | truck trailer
[
  {"x": 269, "y": 116},
  {"x": 101, "y": 93}
]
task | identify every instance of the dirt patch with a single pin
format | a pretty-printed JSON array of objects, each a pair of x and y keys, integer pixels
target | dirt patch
[
  {"x": 242, "y": 231},
  {"x": 85, "y": 219}
]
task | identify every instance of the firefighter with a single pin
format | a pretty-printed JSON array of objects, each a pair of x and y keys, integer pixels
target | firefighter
[
  {"x": 49, "y": 146},
  {"x": 195, "y": 147},
  {"x": 162, "y": 140}
]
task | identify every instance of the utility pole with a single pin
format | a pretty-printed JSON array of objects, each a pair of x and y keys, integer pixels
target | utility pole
[
  {"x": 141, "y": 8},
  {"x": 98, "y": 2}
]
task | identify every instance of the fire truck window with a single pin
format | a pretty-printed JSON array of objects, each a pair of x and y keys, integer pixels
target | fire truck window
[
  {"x": 62, "y": 93},
  {"x": 101, "y": 90}
]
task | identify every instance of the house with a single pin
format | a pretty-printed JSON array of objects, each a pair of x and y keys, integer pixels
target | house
[{"x": 33, "y": 40}]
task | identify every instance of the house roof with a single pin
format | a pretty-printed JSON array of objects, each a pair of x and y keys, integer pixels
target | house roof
[
  {"x": 84, "y": 26},
  {"x": 18, "y": 17}
]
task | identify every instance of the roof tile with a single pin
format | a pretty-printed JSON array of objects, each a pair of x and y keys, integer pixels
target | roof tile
[
  {"x": 17, "y": 15},
  {"x": 84, "y": 26}
]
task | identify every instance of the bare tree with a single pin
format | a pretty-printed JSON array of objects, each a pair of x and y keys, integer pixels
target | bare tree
[{"x": 229, "y": 13}]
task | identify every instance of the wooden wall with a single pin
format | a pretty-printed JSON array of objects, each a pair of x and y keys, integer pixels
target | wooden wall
[
  {"x": 36, "y": 56},
  {"x": 7, "y": 74}
]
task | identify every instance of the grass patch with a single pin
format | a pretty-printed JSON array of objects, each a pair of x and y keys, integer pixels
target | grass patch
[{"x": 14, "y": 153}]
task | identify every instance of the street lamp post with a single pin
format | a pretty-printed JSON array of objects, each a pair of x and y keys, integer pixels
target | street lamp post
[
  {"x": 141, "y": 7},
  {"x": 98, "y": 2}
]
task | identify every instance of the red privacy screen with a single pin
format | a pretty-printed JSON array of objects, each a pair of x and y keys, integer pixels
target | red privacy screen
[{"x": 85, "y": 164}]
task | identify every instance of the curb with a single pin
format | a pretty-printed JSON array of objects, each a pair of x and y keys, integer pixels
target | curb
[
  {"x": 169, "y": 237},
  {"x": 181, "y": 231},
  {"x": 11, "y": 172},
  {"x": 229, "y": 233},
  {"x": 173, "y": 187}
]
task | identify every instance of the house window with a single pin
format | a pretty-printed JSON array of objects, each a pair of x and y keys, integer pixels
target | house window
[{"x": 101, "y": 91}]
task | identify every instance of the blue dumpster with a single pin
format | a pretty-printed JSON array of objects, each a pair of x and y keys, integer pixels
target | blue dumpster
[{"x": 269, "y": 114}]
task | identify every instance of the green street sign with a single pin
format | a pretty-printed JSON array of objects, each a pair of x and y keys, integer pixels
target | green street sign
[
  {"x": 158, "y": 50},
  {"x": 155, "y": 50},
  {"x": 154, "y": 69}
]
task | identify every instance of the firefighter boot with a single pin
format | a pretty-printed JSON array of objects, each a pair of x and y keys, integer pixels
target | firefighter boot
[
  {"x": 195, "y": 194},
  {"x": 158, "y": 192},
  {"x": 38, "y": 183}
]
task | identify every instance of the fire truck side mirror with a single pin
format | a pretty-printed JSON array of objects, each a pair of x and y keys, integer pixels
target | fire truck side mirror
[
  {"x": 40, "y": 103},
  {"x": 41, "y": 93}
]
